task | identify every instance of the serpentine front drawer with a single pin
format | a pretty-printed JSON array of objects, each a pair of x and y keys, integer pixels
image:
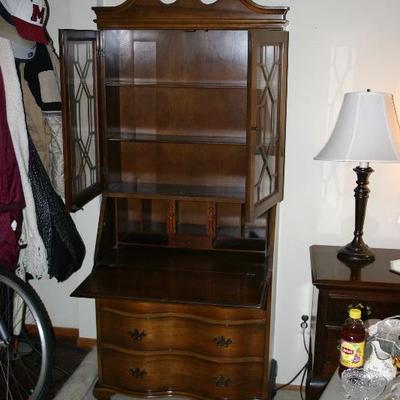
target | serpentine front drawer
[
  {"x": 158, "y": 329},
  {"x": 164, "y": 373}
]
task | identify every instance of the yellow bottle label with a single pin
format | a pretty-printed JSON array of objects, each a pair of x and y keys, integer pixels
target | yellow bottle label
[{"x": 352, "y": 354}]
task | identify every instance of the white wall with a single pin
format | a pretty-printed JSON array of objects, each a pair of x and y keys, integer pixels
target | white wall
[{"x": 335, "y": 46}]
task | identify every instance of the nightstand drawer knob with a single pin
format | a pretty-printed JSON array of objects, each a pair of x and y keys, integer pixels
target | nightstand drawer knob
[
  {"x": 137, "y": 372},
  {"x": 220, "y": 341},
  {"x": 222, "y": 380},
  {"x": 136, "y": 335}
]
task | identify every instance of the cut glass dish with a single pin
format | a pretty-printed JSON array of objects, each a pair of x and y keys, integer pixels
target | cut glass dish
[{"x": 362, "y": 385}]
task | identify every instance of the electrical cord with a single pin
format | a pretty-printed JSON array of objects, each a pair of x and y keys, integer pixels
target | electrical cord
[
  {"x": 303, "y": 370},
  {"x": 305, "y": 345},
  {"x": 302, "y": 382}
]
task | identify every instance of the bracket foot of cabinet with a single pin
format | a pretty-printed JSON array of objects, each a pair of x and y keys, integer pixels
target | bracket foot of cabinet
[{"x": 102, "y": 393}]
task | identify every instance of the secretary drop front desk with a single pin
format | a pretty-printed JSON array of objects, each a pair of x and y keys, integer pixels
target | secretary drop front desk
[{"x": 176, "y": 114}]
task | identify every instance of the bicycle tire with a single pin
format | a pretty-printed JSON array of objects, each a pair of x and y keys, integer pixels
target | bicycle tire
[{"x": 25, "y": 374}]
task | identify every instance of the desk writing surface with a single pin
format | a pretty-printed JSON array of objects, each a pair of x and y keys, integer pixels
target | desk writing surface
[{"x": 179, "y": 276}]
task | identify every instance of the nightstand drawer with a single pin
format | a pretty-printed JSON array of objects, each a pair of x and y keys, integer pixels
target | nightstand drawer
[
  {"x": 329, "y": 341},
  {"x": 183, "y": 332},
  {"x": 377, "y": 305},
  {"x": 167, "y": 374}
]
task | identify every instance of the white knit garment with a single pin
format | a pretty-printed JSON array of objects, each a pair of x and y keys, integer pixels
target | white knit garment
[{"x": 33, "y": 257}]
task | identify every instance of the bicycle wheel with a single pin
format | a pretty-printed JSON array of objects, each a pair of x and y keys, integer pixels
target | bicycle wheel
[{"x": 26, "y": 341}]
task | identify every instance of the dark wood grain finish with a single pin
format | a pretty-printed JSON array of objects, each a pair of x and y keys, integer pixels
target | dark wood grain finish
[
  {"x": 75, "y": 195},
  {"x": 260, "y": 144},
  {"x": 179, "y": 110},
  {"x": 184, "y": 333},
  {"x": 336, "y": 273},
  {"x": 230, "y": 316},
  {"x": 183, "y": 192},
  {"x": 372, "y": 288},
  {"x": 190, "y": 14},
  {"x": 373, "y": 305},
  {"x": 184, "y": 254},
  {"x": 176, "y": 276},
  {"x": 136, "y": 53},
  {"x": 159, "y": 362},
  {"x": 169, "y": 374}
]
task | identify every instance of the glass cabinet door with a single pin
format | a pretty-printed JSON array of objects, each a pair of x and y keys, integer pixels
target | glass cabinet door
[
  {"x": 79, "y": 65},
  {"x": 266, "y": 133}
]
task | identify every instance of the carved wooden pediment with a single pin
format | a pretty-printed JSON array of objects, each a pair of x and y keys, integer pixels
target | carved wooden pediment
[{"x": 190, "y": 14}]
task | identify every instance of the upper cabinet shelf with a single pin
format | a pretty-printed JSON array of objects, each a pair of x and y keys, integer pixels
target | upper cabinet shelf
[
  {"x": 176, "y": 192},
  {"x": 238, "y": 140},
  {"x": 177, "y": 84}
]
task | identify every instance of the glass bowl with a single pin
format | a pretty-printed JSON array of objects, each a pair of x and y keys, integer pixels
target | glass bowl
[{"x": 362, "y": 385}]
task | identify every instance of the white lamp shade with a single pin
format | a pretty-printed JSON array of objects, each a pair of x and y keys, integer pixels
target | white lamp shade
[{"x": 367, "y": 129}]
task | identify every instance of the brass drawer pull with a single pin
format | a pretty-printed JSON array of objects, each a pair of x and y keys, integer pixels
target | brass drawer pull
[
  {"x": 366, "y": 310},
  {"x": 220, "y": 341},
  {"x": 136, "y": 335},
  {"x": 222, "y": 380},
  {"x": 137, "y": 373}
]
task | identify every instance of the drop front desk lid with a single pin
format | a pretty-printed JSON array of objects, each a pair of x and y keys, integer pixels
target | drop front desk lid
[{"x": 179, "y": 276}]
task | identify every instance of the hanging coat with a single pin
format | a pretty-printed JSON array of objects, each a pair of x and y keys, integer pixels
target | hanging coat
[
  {"x": 64, "y": 246},
  {"x": 11, "y": 195}
]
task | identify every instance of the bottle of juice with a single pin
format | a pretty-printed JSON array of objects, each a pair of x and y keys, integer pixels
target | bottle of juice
[{"x": 352, "y": 346}]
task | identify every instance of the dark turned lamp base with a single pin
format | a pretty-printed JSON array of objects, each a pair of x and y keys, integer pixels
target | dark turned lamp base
[
  {"x": 357, "y": 251},
  {"x": 355, "y": 254}
]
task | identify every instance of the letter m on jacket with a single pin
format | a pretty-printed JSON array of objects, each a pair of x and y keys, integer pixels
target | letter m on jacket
[{"x": 38, "y": 13}]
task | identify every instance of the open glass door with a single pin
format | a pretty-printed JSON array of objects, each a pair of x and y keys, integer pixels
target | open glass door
[
  {"x": 266, "y": 133},
  {"x": 81, "y": 133}
]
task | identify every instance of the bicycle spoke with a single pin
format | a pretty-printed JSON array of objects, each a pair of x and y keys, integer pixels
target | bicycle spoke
[
  {"x": 23, "y": 384},
  {"x": 17, "y": 384},
  {"x": 6, "y": 381},
  {"x": 25, "y": 362}
]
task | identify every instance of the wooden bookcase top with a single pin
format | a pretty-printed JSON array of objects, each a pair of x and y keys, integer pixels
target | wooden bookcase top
[{"x": 224, "y": 14}]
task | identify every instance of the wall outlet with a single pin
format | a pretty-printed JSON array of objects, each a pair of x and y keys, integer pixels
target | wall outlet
[{"x": 304, "y": 319}]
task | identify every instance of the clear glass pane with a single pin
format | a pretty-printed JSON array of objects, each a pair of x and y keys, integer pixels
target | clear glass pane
[
  {"x": 267, "y": 140},
  {"x": 82, "y": 110}
]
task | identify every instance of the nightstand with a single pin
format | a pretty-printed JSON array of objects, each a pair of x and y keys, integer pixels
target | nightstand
[{"x": 373, "y": 288}]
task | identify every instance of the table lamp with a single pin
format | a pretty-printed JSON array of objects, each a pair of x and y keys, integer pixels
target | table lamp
[{"x": 367, "y": 130}]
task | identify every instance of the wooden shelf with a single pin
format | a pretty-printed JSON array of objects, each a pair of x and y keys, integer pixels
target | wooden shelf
[
  {"x": 156, "y": 83},
  {"x": 235, "y": 232},
  {"x": 151, "y": 228},
  {"x": 176, "y": 192},
  {"x": 227, "y": 237},
  {"x": 176, "y": 139}
]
